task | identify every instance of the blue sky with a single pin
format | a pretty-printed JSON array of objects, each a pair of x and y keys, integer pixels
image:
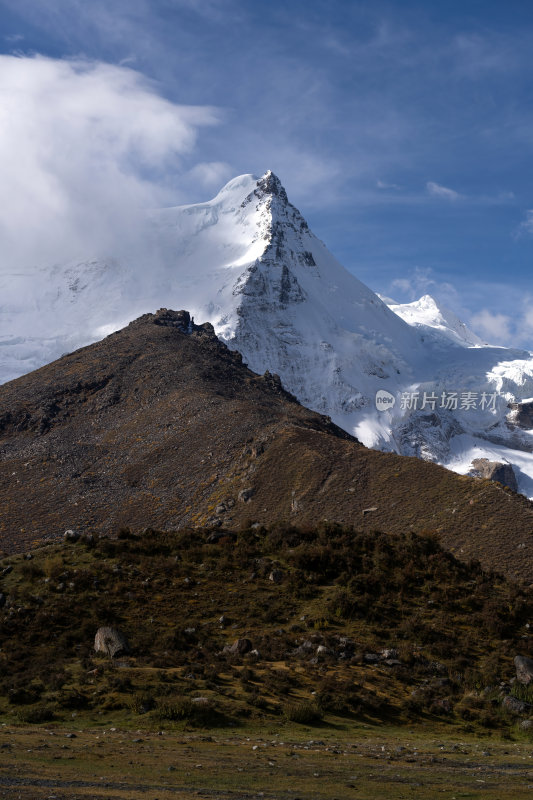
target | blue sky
[{"x": 402, "y": 130}]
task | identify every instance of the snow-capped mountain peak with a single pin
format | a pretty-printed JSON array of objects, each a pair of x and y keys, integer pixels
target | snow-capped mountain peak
[
  {"x": 428, "y": 313},
  {"x": 247, "y": 262}
]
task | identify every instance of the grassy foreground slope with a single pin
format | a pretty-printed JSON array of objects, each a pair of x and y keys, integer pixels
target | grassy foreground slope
[
  {"x": 364, "y": 626},
  {"x": 281, "y": 762}
]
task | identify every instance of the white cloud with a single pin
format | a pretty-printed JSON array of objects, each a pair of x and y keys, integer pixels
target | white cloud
[
  {"x": 404, "y": 285},
  {"x": 437, "y": 190},
  {"x": 527, "y": 319},
  {"x": 496, "y": 328},
  {"x": 84, "y": 146},
  {"x": 526, "y": 226},
  {"x": 211, "y": 174},
  {"x": 383, "y": 185},
  {"x": 421, "y": 281}
]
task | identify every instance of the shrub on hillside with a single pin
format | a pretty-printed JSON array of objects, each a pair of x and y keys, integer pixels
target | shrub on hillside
[{"x": 303, "y": 712}]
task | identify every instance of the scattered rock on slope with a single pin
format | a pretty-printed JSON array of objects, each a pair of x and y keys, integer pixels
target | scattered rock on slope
[
  {"x": 111, "y": 641},
  {"x": 239, "y": 647},
  {"x": 524, "y": 669},
  {"x": 514, "y": 705},
  {"x": 495, "y": 471}
]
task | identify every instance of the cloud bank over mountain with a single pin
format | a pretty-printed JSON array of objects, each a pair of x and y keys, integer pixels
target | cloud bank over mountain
[{"x": 84, "y": 147}]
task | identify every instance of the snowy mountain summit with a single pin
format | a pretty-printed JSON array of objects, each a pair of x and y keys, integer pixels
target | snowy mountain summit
[
  {"x": 408, "y": 378},
  {"x": 428, "y": 314}
]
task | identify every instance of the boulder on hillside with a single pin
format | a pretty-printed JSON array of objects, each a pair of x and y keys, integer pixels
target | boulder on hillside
[
  {"x": 239, "y": 647},
  {"x": 111, "y": 641},
  {"x": 514, "y": 705},
  {"x": 524, "y": 669},
  {"x": 521, "y": 414},
  {"x": 494, "y": 471}
]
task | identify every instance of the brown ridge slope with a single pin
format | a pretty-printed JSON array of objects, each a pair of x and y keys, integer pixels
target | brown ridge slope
[{"x": 161, "y": 425}]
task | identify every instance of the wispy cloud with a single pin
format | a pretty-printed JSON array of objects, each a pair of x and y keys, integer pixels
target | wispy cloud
[
  {"x": 480, "y": 54},
  {"x": 211, "y": 174},
  {"x": 526, "y": 226},
  {"x": 436, "y": 190},
  {"x": 422, "y": 281},
  {"x": 357, "y": 109},
  {"x": 527, "y": 318},
  {"x": 494, "y": 327},
  {"x": 505, "y": 316},
  {"x": 383, "y": 185},
  {"x": 84, "y": 146}
]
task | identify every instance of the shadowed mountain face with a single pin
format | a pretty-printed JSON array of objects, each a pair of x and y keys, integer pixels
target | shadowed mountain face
[{"x": 161, "y": 425}]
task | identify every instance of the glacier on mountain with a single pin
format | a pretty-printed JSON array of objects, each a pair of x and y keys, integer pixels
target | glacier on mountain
[{"x": 247, "y": 262}]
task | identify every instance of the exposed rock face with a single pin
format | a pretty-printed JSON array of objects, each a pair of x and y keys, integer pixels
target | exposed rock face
[
  {"x": 524, "y": 669},
  {"x": 428, "y": 436},
  {"x": 521, "y": 414},
  {"x": 239, "y": 647},
  {"x": 271, "y": 184},
  {"x": 111, "y": 641},
  {"x": 246, "y": 494},
  {"x": 494, "y": 471},
  {"x": 174, "y": 319}
]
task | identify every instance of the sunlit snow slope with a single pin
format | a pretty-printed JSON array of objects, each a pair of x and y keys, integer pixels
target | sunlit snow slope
[
  {"x": 247, "y": 262},
  {"x": 431, "y": 317}
]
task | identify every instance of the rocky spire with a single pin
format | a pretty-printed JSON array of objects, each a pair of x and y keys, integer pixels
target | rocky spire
[{"x": 271, "y": 184}]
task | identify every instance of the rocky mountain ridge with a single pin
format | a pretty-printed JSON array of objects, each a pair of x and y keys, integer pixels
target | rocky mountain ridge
[{"x": 161, "y": 425}]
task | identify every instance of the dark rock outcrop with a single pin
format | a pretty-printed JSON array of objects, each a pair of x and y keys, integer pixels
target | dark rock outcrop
[
  {"x": 495, "y": 471},
  {"x": 521, "y": 414},
  {"x": 524, "y": 669}
]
